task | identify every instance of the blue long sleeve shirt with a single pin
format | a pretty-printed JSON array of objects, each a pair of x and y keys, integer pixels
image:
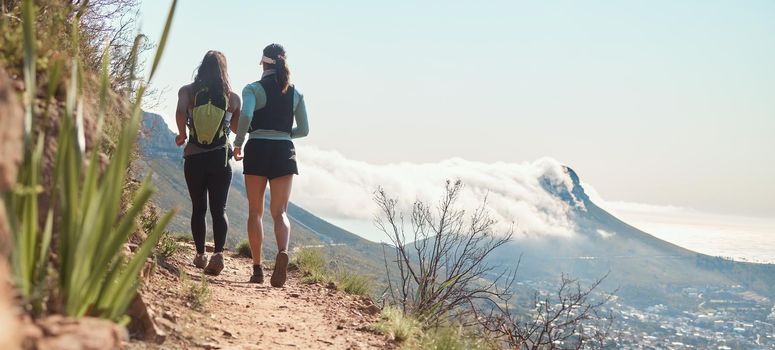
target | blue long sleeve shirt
[{"x": 254, "y": 98}]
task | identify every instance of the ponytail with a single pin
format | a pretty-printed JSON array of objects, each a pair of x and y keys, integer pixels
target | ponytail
[
  {"x": 276, "y": 53},
  {"x": 283, "y": 74}
]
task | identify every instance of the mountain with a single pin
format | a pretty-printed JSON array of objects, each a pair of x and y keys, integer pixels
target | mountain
[{"x": 645, "y": 269}]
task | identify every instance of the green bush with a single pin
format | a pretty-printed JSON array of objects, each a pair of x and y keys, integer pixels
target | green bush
[
  {"x": 168, "y": 246},
  {"x": 182, "y": 237},
  {"x": 411, "y": 334},
  {"x": 94, "y": 278},
  {"x": 314, "y": 269},
  {"x": 397, "y": 326},
  {"x": 316, "y": 276},
  {"x": 312, "y": 265},
  {"x": 243, "y": 250},
  {"x": 353, "y": 283},
  {"x": 198, "y": 293},
  {"x": 452, "y": 338}
]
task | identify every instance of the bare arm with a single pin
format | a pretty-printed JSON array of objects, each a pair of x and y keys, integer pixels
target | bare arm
[
  {"x": 184, "y": 100},
  {"x": 236, "y": 108}
]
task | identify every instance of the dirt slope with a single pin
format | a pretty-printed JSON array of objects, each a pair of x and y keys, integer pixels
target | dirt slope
[{"x": 240, "y": 315}]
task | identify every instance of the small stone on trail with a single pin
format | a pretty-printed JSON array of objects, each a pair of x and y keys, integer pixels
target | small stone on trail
[
  {"x": 372, "y": 309},
  {"x": 165, "y": 322},
  {"x": 326, "y": 342},
  {"x": 283, "y": 329},
  {"x": 169, "y": 315},
  {"x": 331, "y": 285},
  {"x": 209, "y": 346},
  {"x": 294, "y": 295}
]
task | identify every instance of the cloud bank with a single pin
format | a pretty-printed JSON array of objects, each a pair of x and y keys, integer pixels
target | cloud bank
[
  {"x": 340, "y": 189},
  {"x": 737, "y": 237},
  {"x": 333, "y": 186}
]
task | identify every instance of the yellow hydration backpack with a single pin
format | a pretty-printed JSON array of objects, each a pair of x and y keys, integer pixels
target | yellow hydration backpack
[{"x": 208, "y": 120}]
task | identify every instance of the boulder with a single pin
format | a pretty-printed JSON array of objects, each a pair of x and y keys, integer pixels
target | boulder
[
  {"x": 143, "y": 322},
  {"x": 86, "y": 333},
  {"x": 11, "y": 133}
]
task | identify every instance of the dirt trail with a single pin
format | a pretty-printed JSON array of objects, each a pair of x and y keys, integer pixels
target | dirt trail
[{"x": 240, "y": 315}]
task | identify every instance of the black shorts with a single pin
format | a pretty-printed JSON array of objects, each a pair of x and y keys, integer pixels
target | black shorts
[{"x": 270, "y": 158}]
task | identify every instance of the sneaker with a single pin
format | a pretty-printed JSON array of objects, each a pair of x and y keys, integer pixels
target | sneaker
[
  {"x": 200, "y": 260},
  {"x": 280, "y": 273},
  {"x": 216, "y": 265},
  {"x": 258, "y": 275}
]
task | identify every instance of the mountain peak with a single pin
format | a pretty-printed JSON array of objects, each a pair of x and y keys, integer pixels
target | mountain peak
[
  {"x": 156, "y": 139},
  {"x": 565, "y": 184},
  {"x": 577, "y": 190}
]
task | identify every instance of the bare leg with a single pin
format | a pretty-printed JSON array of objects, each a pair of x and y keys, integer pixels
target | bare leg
[
  {"x": 280, "y": 193},
  {"x": 256, "y": 187}
]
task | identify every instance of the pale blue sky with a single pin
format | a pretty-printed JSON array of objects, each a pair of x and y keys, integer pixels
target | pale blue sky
[{"x": 662, "y": 102}]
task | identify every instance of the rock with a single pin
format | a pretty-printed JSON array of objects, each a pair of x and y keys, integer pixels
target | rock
[
  {"x": 31, "y": 332},
  {"x": 165, "y": 322},
  {"x": 331, "y": 285},
  {"x": 209, "y": 346},
  {"x": 9, "y": 326},
  {"x": 148, "y": 269},
  {"x": 170, "y": 316},
  {"x": 372, "y": 309},
  {"x": 283, "y": 329},
  {"x": 325, "y": 342},
  {"x": 142, "y": 324},
  {"x": 82, "y": 334},
  {"x": 294, "y": 295},
  {"x": 11, "y": 133},
  {"x": 162, "y": 261},
  {"x": 339, "y": 327}
]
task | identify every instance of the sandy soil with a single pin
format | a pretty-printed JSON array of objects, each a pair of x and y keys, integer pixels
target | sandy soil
[{"x": 240, "y": 315}]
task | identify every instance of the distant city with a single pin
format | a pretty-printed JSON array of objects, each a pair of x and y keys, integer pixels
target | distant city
[{"x": 709, "y": 318}]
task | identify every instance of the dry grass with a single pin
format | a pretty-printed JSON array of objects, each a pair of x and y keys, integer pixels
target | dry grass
[
  {"x": 243, "y": 249},
  {"x": 198, "y": 293}
]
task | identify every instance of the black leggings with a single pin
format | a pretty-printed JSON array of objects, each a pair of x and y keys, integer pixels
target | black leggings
[{"x": 206, "y": 174}]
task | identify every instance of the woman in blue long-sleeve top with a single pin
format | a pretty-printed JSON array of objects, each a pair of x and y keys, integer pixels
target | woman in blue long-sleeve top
[{"x": 270, "y": 107}]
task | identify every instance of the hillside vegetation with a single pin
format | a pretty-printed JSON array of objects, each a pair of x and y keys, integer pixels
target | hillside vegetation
[{"x": 74, "y": 207}]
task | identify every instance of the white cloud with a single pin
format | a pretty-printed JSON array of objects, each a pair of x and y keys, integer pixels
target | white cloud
[
  {"x": 605, "y": 234},
  {"x": 336, "y": 187},
  {"x": 340, "y": 189},
  {"x": 738, "y": 237}
]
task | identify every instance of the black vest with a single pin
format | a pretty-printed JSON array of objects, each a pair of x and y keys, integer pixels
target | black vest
[{"x": 277, "y": 114}]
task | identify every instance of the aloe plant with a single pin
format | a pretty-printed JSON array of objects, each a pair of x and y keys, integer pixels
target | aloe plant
[{"x": 93, "y": 276}]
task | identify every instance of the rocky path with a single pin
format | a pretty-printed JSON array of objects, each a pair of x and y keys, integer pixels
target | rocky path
[{"x": 240, "y": 315}]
